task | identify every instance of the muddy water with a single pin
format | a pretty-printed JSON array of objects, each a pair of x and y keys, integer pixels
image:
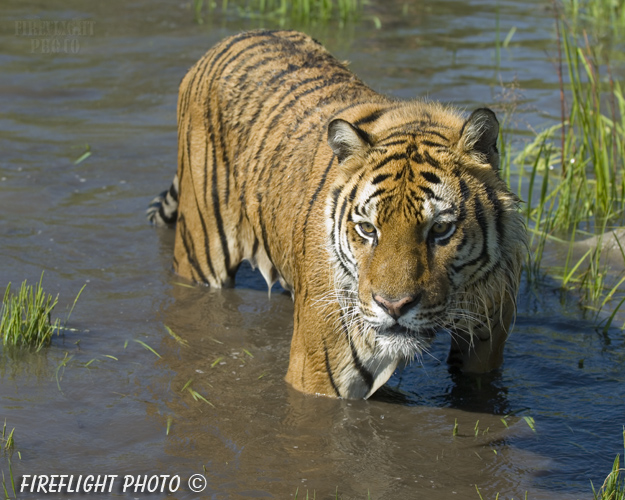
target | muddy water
[{"x": 99, "y": 402}]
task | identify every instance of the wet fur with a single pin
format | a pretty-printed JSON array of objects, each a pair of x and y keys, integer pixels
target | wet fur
[{"x": 283, "y": 153}]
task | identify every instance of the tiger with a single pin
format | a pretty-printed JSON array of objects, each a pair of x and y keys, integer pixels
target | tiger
[{"x": 385, "y": 219}]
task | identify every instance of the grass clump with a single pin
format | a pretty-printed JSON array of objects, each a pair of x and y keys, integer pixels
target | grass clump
[
  {"x": 296, "y": 11},
  {"x": 614, "y": 485},
  {"x": 574, "y": 171},
  {"x": 606, "y": 17},
  {"x": 26, "y": 317},
  {"x": 582, "y": 159},
  {"x": 7, "y": 447}
]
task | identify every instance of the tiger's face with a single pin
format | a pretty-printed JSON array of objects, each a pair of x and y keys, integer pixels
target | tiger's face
[{"x": 417, "y": 221}]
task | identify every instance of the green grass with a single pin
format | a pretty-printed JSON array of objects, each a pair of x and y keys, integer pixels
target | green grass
[
  {"x": 7, "y": 448},
  {"x": 605, "y": 17},
  {"x": 26, "y": 317},
  {"x": 583, "y": 154},
  {"x": 613, "y": 487},
  {"x": 574, "y": 171},
  {"x": 301, "y": 12}
]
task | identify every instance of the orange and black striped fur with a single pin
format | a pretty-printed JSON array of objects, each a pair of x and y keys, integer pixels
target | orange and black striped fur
[{"x": 385, "y": 219}]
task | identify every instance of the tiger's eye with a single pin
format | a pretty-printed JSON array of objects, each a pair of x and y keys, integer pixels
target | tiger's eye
[
  {"x": 441, "y": 228},
  {"x": 367, "y": 228}
]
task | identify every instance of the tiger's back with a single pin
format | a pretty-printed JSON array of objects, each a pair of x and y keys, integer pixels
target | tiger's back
[
  {"x": 284, "y": 156},
  {"x": 252, "y": 114}
]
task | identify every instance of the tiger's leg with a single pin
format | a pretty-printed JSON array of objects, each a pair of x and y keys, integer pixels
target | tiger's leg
[
  {"x": 326, "y": 359},
  {"x": 209, "y": 227},
  {"x": 481, "y": 351}
]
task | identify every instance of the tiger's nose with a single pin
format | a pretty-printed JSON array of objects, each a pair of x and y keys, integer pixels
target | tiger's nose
[{"x": 395, "y": 308}]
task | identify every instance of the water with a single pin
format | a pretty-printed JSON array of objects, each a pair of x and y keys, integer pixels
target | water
[{"x": 99, "y": 402}]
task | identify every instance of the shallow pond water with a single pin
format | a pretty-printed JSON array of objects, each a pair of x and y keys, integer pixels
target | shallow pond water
[{"x": 99, "y": 402}]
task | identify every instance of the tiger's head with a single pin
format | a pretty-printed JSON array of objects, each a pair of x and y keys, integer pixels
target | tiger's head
[{"x": 423, "y": 233}]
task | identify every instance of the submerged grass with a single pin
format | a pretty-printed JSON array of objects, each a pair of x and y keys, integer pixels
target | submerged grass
[
  {"x": 26, "y": 317},
  {"x": 314, "y": 495}
]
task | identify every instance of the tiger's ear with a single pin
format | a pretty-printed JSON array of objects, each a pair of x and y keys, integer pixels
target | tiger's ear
[
  {"x": 479, "y": 133},
  {"x": 347, "y": 140}
]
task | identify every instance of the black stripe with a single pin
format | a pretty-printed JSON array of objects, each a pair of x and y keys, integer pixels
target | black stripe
[
  {"x": 375, "y": 194},
  {"x": 492, "y": 197},
  {"x": 265, "y": 37},
  {"x": 218, "y": 218},
  {"x": 197, "y": 206},
  {"x": 269, "y": 77},
  {"x": 483, "y": 223},
  {"x": 430, "y": 177},
  {"x": 433, "y": 144},
  {"x": 415, "y": 128},
  {"x": 329, "y": 370},
  {"x": 173, "y": 192},
  {"x": 166, "y": 218},
  {"x": 336, "y": 79},
  {"x": 463, "y": 242},
  {"x": 388, "y": 159},
  {"x": 314, "y": 199},
  {"x": 341, "y": 215},
  {"x": 437, "y": 134},
  {"x": 429, "y": 193},
  {"x": 392, "y": 143},
  {"x": 465, "y": 192},
  {"x": 364, "y": 373},
  {"x": 352, "y": 193},
  {"x": 398, "y": 133},
  {"x": 379, "y": 178},
  {"x": 250, "y": 71},
  {"x": 272, "y": 125},
  {"x": 287, "y": 93},
  {"x": 336, "y": 192},
  {"x": 207, "y": 246},
  {"x": 371, "y": 117},
  {"x": 342, "y": 255},
  {"x": 333, "y": 243},
  {"x": 431, "y": 161},
  {"x": 450, "y": 210},
  {"x": 414, "y": 194},
  {"x": 224, "y": 158},
  {"x": 207, "y": 63},
  {"x": 411, "y": 207},
  {"x": 189, "y": 247}
]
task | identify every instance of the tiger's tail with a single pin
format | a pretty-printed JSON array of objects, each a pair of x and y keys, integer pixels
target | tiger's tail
[{"x": 163, "y": 210}]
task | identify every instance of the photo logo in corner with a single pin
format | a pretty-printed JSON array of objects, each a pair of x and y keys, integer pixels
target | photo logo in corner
[
  {"x": 54, "y": 37},
  {"x": 108, "y": 483}
]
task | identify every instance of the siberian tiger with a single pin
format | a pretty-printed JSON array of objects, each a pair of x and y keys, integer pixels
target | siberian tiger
[{"x": 385, "y": 219}]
